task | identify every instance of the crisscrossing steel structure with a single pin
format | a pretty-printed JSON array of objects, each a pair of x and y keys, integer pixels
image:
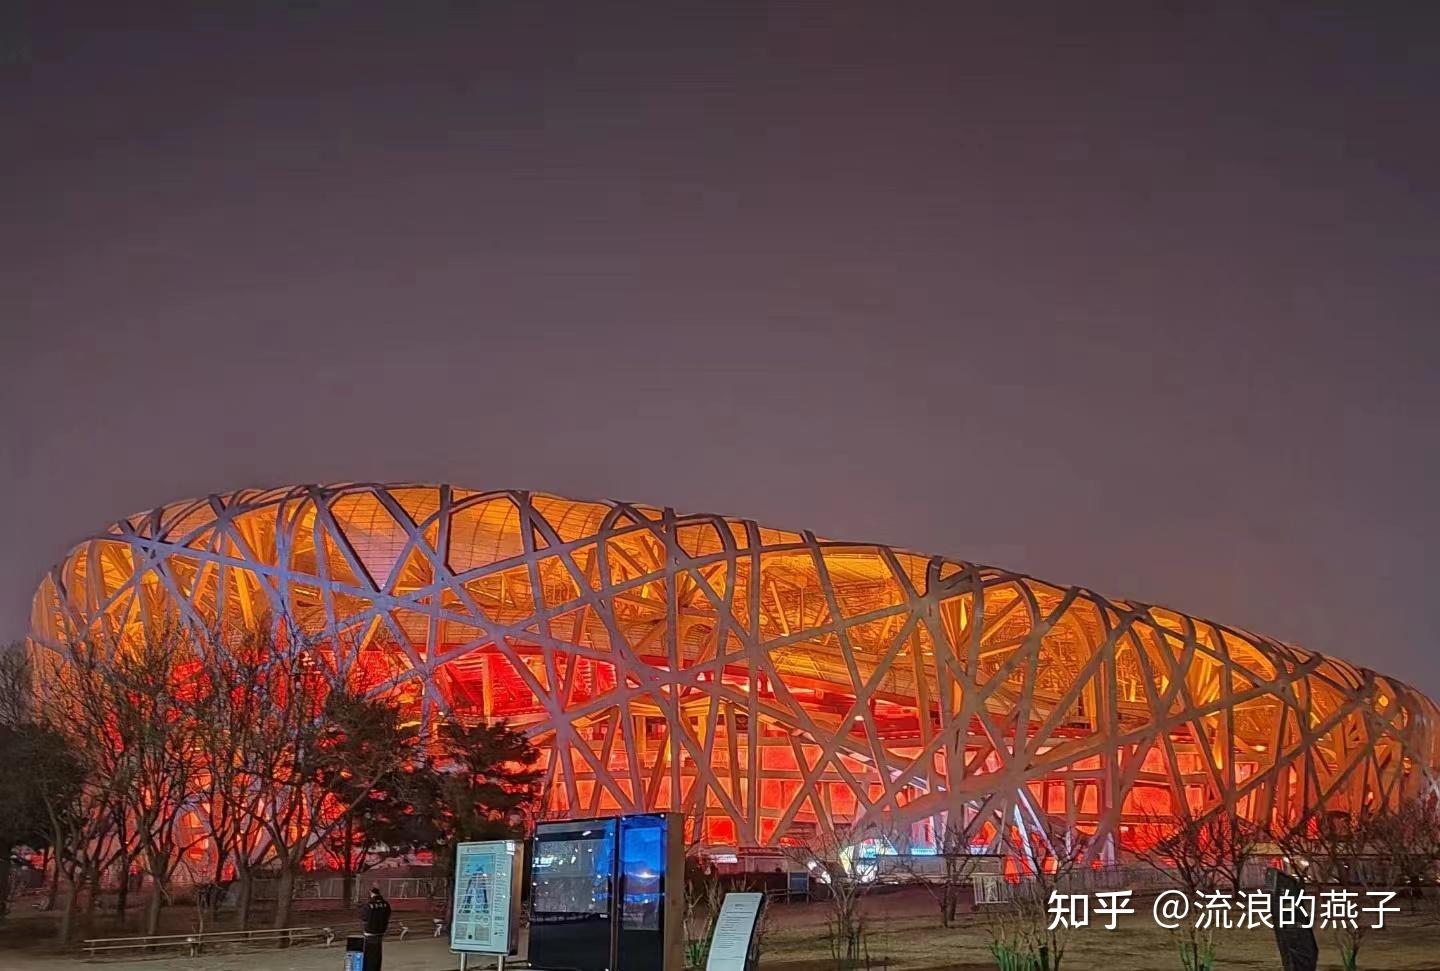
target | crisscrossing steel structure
[{"x": 770, "y": 684}]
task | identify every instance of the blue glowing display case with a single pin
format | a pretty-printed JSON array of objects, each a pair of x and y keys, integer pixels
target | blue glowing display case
[{"x": 607, "y": 894}]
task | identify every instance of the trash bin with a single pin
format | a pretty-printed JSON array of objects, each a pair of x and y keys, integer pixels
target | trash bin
[{"x": 354, "y": 953}]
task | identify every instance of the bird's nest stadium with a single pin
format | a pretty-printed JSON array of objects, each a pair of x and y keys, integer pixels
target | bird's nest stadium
[{"x": 771, "y": 685}]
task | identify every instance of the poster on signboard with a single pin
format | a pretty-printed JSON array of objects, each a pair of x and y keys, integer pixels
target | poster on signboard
[
  {"x": 485, "y": 896},
  {"x": 732, "y": 941}
]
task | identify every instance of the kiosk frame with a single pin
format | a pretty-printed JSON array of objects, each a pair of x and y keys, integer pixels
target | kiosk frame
[{"x": 608, "y": 894}]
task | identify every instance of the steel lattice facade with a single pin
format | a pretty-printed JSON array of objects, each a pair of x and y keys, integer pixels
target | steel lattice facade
[{"x": 770, "y": 684}]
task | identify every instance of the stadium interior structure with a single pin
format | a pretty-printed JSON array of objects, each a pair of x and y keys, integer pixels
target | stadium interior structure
[{"x": 771, "y": 685}]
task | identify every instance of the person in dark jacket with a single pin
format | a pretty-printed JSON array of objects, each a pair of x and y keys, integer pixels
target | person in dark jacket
[{"x": 374, "y": 919}]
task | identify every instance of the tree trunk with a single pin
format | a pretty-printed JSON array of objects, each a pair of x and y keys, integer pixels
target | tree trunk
[
  {"x": 4, "y": 881},
  {"x": 242, "y": 897},
  {"x": 284, "y": 889},
  {"x": 122, "y": 898},
  {"x": 347, "y": 883},
  {"x": 91, "y": 877},
  {"x": 52, "y": 886},
  {"x": 68, "y": 893},
  {"x": 219, "y": 881},
  {"x": 153, "y": 905}
]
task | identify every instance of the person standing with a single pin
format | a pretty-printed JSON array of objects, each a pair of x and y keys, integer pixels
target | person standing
[{"x": 374, "y": 919}]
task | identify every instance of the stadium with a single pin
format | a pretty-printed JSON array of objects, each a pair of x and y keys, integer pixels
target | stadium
[{"x": 771, "y": 685}]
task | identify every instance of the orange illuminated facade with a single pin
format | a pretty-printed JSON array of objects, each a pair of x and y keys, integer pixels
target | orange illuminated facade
[{"x": 769, "y": 684}]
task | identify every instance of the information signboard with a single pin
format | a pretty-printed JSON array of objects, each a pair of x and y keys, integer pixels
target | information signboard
[
  {"x": 486, "y": 897},
  {"x": 1298, "y": 948},
  {"x": 730, "y": 942}
]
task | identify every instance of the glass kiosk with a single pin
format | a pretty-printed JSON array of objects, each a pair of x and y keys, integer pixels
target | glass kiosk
[
  {"x": 607, "y": 894},
  {"x": 571, "y": 884}
]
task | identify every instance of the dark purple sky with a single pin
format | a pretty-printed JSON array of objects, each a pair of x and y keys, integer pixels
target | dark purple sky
[{"x": 1140, "y": 300}]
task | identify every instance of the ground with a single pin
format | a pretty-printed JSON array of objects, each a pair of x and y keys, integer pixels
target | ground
[{"x": 905, "y": 935}]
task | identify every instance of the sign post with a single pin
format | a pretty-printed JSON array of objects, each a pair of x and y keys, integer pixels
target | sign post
[
  {"x": 486, "y": 899},
  {"x": 732, "y": 944},
  {"x": 1298, "y": 950}
]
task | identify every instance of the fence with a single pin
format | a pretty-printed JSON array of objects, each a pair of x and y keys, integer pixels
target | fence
[
  {"x": 332, "y": 888},
  {"x": 994, "y": 888},
  {"x": 195, "y": 943},
  {"x": 991, "y": 885}
]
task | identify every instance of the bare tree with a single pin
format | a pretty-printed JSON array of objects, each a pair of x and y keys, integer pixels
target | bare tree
[
  {"x": 703, "y": 897},
  {"x": 74, "y": 699},
  {"x": 153, "y": 723},
  {"x": 1203, "y": 855},
  {"x": 230, "y": 709},
  {"x": 1409, "y": 838},
  {"x": 118, "y": 695},
  {"x": 1049, "y": 856},
  {"x": 290, "y": 757},
  {"x": 25, "y": 747},
  {"x": 830, "y": 859},
  {"x": 953, "y": 862},
  {"x": 17, "y": 690},
  {"x": 1344, "y": 852},
  {"x": 278, "y": 766}
]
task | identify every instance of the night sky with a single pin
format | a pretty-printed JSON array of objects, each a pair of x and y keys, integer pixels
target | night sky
[{"x": 1110, "y": 294}]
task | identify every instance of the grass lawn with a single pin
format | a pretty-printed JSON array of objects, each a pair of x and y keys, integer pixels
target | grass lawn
[{"x": 905, "y": 935}]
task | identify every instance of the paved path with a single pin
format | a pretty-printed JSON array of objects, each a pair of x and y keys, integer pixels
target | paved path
[{"x": 414, "y": 954}]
